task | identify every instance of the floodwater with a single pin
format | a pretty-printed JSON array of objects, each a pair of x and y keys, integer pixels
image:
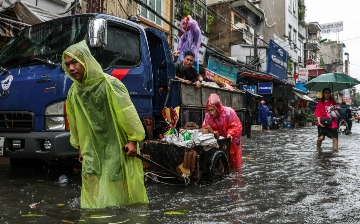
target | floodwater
[{"x": 284, "y": 179}]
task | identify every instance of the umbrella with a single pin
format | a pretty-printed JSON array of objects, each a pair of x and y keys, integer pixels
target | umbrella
[{"x": 333, "y": 81}]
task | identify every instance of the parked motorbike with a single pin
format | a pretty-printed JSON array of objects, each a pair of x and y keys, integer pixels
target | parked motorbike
[
  {"x": 357, "y": 119},
  {"x": 343, "y": 127},
  {"x": 279, "y": 122}
]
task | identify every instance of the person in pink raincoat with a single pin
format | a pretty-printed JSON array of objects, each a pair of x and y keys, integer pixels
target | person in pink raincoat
[
  {"x": 190, "y": 40},
  {"x": 227, "y": 123}
]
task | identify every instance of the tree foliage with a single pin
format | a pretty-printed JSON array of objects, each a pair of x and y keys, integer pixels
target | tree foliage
[
  {"x": 301, "y": 12},
  {"x": 357, "y": 99}
]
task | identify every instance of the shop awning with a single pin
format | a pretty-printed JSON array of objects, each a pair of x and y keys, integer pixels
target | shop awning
[
  {"x": 7, "y": 4},
  {"x": 257, "y": 76},
  {"x": 305, "y": 97},
  {"x": 32, "y": 14}
]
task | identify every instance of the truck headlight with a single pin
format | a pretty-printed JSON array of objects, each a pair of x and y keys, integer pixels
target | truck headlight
[{"x": 55, "y": 116}]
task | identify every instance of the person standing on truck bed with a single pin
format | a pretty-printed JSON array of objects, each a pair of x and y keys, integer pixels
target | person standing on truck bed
[
  {"x": 184, "y": 70},
  {"x": 102, "y": 121},
  {"x": 190, "y": 40}
]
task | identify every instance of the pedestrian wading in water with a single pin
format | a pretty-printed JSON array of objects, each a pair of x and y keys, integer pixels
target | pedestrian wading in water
[
  {"x": 326, "y": 109},
  {"x": 102, "y": 121},
  {"x": 225, "y": 121}
]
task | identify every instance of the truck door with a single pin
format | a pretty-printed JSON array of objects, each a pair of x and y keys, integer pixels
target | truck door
[
  {"x": 163, "y": 70},
  {"x": 127, "y": 58}
]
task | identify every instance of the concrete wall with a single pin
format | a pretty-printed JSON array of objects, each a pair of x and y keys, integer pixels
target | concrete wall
[
  {"x": 280, "y": 16},
  {"x": 220, "y": 33},
  {"x": 274, "y": 19},
  {"x": 332, "y": 51}
]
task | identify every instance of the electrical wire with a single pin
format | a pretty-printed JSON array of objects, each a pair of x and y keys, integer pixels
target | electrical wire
[{"x": 123, "y": 8}]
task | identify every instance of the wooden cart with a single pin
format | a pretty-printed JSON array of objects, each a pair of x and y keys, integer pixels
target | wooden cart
[{"x": 210, "y": 165}]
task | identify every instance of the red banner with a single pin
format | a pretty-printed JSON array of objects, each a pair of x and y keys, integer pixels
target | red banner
[{"x": 216, "y": 78}]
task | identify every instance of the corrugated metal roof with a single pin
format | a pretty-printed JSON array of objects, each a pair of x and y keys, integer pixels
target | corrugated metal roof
[
  {"x": 7, "y": 4},
  {"x": 32, "y": 14}
]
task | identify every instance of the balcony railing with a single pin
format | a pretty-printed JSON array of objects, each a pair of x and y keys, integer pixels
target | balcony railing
[{"x": 302, "y": 31}]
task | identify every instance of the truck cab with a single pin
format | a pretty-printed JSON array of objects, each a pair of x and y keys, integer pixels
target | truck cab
[{"x": 33, "y": 122}]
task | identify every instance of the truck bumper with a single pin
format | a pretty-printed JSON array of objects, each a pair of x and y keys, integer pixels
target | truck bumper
[{"x": 31, "y": 145}]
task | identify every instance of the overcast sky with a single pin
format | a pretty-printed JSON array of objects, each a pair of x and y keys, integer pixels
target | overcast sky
[{"x": 328, "y": 11}]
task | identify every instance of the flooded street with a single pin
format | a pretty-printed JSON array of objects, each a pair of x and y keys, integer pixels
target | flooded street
[{"x": 284, "y": 179}]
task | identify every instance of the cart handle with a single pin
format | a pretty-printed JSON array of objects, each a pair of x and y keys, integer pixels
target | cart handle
[{"x": 156, "y": 164}]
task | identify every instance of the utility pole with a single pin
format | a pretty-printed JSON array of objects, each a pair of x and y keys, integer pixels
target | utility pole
[
  {"x": 255, "y": 60},
  {"x": 347, "y": 64}
]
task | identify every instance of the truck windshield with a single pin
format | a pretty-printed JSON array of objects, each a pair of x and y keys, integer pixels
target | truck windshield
[{"x": 46, "y": 40}]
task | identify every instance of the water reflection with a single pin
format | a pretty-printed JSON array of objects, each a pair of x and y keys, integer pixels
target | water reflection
[{"x": 284, "y": 179}]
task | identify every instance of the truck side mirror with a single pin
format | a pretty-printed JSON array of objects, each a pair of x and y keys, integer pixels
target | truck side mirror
[{"x": 97, "y": 33}]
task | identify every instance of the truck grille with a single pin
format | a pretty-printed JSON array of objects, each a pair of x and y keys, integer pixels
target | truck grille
[{"x": 16, "y": 121}]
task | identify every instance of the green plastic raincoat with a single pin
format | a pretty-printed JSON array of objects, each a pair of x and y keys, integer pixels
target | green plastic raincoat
[{"x": 102, "y": 120}]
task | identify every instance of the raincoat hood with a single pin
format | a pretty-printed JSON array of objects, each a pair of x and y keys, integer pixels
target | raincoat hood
[
  {"x": 184, "y": 22},
  {"x": 214, "y": 101},
  {"x": 81, "y": 53}
]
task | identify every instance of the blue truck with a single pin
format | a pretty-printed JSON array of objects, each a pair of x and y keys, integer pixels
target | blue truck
[{"x": 33, "y": 122}]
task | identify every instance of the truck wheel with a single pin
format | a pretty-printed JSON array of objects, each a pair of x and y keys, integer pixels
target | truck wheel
[{"x": 218, "y": 167}]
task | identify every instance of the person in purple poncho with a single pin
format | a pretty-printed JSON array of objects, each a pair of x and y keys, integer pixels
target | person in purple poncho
[{"x": 189, "y": 41}]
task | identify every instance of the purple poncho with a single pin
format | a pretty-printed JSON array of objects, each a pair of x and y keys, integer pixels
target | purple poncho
[{"x": 190, "y": 40}]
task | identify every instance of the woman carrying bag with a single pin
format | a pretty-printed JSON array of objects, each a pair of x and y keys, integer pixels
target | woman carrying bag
[{"x": 326, "y": 113}]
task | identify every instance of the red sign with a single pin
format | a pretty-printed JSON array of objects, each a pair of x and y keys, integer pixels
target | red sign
[
  {"x": 347, "y": 100},
  {"x": 216, "y": 78}
]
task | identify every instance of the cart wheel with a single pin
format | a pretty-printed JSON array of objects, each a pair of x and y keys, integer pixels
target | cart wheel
[{"x": 218, "y": 167}]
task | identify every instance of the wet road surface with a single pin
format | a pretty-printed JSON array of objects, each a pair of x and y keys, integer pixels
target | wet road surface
[{"x": 284, "y": 179}]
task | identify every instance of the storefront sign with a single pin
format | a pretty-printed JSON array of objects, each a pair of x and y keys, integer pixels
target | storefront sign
[
  {"x": 223, "y": 68},
  {"x": 277, "y": 61},
  {"x": 303, "y": 76},
  {"x": 251, "y": 89},
  {"x": 216, "y": 77},
  {"x": 265, "y": 88}
]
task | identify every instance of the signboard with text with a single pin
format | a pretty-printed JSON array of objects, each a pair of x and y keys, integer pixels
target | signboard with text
[
  {"x": 265, "y": 87},
  {"x": 251, "y": 89},
  {"x": 223, "y": 68},
  {"x": 277, "y": 61},
  {"x": 216, "y": 77},
  {"x": 303, "y": 75},
  {"x": 332, "y": 27}
]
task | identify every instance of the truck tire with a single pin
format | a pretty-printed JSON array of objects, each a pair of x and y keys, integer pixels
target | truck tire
[{"x": 218, "y": 167}]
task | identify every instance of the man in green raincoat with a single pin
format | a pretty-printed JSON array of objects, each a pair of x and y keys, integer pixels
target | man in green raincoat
[{"x": 102, "y": 121}]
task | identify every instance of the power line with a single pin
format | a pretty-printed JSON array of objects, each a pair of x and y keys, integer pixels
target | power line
[
  {"x": 351, "y": 39},
  {"x": 123, "y": 8}
]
